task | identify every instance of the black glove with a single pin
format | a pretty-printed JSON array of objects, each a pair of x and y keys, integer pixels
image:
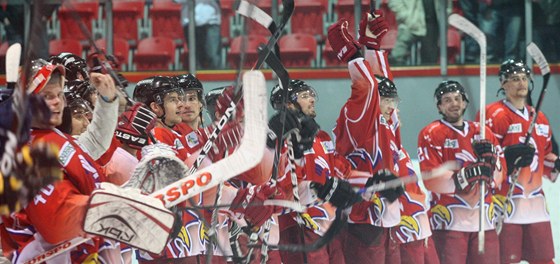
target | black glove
[
  {"x": 557, "y": 165},
  {"x": 306, "y": 126},
  {"x": 275, "y": 125},
  {"x": 468, "y": 176},
  {"x": 338, "y": 192},
  {"x": 518, "y": 156},
  {"x": 385, "y": 176},
  {"x": 485, "y": 152}
]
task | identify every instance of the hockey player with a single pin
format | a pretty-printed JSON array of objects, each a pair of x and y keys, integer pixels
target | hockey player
[
  {"x": 526, "y": 233},
  {"x": 365, "y": 137},
  {"x": 37, "y": 228},
  {"x": 455, "y": 199},
  {"x": 319, "y": 170}
]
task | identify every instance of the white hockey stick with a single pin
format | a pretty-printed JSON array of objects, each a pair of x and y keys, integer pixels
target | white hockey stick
[
  {"x": 470, "y": 29},
  {"x": 539, "y": 58},
  {"x": 247, "y": 156}
]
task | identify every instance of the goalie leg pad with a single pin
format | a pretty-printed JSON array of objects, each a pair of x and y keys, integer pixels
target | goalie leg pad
[{"x": 128, "y": 216}]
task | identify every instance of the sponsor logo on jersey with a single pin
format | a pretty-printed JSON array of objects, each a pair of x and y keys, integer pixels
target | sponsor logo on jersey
[
  {"x": 192, "y": 139},
  {"x": 451, "y": 143},
  {"x": 542, "y": 130},
  {"x": 514, "y": 128},
  {"x": 66, "y": 153},
  {"x": 178, "y": 144}
]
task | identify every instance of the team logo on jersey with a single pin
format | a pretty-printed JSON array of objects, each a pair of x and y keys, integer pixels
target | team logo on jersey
[
  {"x": 542, "y": 130},
  {"x": 66, "y": 153},
  {"x": 451, "y": 143},
  {"x": 514, "y": 128},
  {"x": 441, "y": 215},
  {"x": 192, "y": 139},
  {"x": 328, "y": 146},
  {"x": 499, "y": 201}
]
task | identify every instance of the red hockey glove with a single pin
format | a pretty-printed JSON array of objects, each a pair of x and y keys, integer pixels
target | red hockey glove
[
  {"x": 468, "y": 176},
  {"x": 134, "y": 124},
  {"x": 485, "y": 152},
  {"x": 341, "y": 41},
  {"x": 518, "y": 156},
  {"x": 249, "y": 201},
  {"x": 373, "y": 29}
]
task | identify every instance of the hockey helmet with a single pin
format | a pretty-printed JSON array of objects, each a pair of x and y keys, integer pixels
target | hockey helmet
[
  {"x": 211, "y": 99},
  {"x": 510, "y": 67},
  {"x": 386, "y": 87},
  {"x": 294, "y": 89},
  {"x": 73, "y": 65},
  {"x": 154, "y": 89},
  {"x": 448, "y": 87},
  {"x": 189, "y": 82},
  {"x": 41, "y": 72},
  {"x": 82, "y": 89}
]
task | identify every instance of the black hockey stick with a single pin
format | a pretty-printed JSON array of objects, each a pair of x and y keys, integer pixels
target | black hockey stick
[{"x": 539, "y": 58}]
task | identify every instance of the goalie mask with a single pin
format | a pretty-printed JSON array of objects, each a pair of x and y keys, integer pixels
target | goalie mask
[
  {"x": 74, "y": 65},
  {"x": 448, "y": 87},
  {"x": 295, "y": 88}
]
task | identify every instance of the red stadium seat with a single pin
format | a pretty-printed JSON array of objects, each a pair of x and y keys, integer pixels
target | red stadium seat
[
  {"x": 251, "y": 55},
  {"x": 3, "y": 49},
  {"x": 345, "y": 9},
  {"x": 155, "y": 53},
  {"x": 69, "y": 27},
  {"x": 58, "y": 46},
  {"x": 166, "y": 21},
  {"x": 120, "y": 49},
  {"x": 308, "y": 18},
  {"x": 126, "y": 14},
  {"x": 453, "y": 44},
  {"x": 298, "y": 50}
]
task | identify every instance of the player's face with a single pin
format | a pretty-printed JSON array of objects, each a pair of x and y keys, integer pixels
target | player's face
[
  {"x": 80, "y": 121},
  {"x": 54, "y": 97},
  {"x": 306, "y": 101},
  {"x": 516, "y": 86},
  {"x": 388, "y": 105},
  {"x": 452, "y": 107},
  {"x": 172, "y": 103},
  {"x": 190, "y": 112}
]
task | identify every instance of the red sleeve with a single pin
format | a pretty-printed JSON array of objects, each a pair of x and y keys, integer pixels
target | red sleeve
[
  {"x": 58, "y": 211},
  {"x": 428, "y": 155}
]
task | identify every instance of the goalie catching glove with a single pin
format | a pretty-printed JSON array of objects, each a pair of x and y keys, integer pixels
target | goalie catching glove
[
  {"x": 372, "y": 30},
  {"x": 337, "y": 192},
  {"x": 250, "y": 202},
  {"x": 128, "y": 216},
  {"x": 468, "y": 176}
]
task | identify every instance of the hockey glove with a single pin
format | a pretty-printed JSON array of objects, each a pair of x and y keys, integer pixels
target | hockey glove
[
  {"x": 307, "y": 133},
  {"x": 134, "y": 124},
  {"x": 468, "y": 176},
  {"x": 279, "y": 129},
  {"x": 342, "y": 43},
  {"x": 338, "y": 192},
  {"x": 372, "y": 30},
  {"x": 485, "y": 152},
  {"x": 385, "y": 176},
  {"x": 518, "y": 156},
  {"x": 249, "y": 201}
]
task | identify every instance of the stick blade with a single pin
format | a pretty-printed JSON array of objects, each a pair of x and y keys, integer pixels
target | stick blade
[
  {"x": 539, "y": 58},
  {"x": 13, "y": 56},
  {"x": 468, "y": 28}
]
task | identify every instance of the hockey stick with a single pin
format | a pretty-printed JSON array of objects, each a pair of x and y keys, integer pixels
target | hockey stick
[
  {"x": 248, "y": 154},
  {"x": 19, "y": 107},
  {"x": 539, "y": 58},
  {"x": 253, "y": 12},
  {"x": 470, "y": 29}
]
